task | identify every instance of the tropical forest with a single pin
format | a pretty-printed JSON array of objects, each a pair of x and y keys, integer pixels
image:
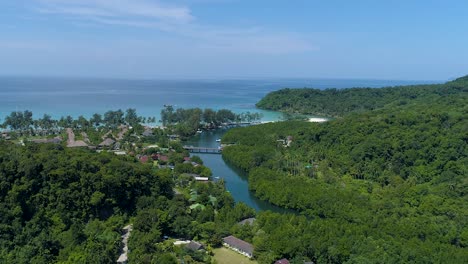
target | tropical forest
[{"x": 384, "y": 181}]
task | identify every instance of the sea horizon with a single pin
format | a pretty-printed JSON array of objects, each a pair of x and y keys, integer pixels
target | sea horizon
[{"x": 75, "y": 96}]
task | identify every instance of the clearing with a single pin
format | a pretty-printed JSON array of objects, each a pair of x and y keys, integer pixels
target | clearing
[{"x": 227, "y": 256}]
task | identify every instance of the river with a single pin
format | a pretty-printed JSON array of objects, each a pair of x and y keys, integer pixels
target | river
[{"x": 235, "y": 179}]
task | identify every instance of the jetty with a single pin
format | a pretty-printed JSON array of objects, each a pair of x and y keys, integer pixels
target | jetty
[{"x": 193, "y": 149}]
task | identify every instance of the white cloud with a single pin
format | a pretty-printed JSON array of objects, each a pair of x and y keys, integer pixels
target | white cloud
[
  {"x": 130, "y": 9},
  {"x": 178, "y": 21}
]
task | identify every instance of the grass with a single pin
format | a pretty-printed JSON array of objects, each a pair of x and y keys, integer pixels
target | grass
[{"x": 227, "y": 256}]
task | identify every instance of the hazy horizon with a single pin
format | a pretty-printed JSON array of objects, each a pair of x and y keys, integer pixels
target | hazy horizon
[{"x": 221, "y": 78}]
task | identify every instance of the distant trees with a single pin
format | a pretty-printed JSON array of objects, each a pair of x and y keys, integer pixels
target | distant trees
[
  {"x": 131, "y": 117},
  {"x": 114, "y": 118},
  {"x": 339, "y": 102},
  {"x": 96, "y": 120},
  {"x": 187, "y": 121},
  {"x": 19, "y": 121},
  {"x": 24, "y": 123}
]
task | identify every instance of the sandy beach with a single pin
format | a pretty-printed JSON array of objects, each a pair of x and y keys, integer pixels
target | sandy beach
[{"x": 317, "y": 119}]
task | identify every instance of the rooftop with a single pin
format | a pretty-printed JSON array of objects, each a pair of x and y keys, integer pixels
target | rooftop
[
  {"x": 194, "y": 245},
  {"x": 239, "y": 244}
]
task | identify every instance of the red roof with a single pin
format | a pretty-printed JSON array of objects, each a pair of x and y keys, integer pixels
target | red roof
[
  {"x": 282, "y": 261},
  {"x": 144, "y": 159},
  {"x": 159, "y": 157},
  {"x": 186, "y": 158}
]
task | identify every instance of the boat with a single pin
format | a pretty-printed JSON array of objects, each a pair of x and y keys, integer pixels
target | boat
[{"x": 218, "y": 140}]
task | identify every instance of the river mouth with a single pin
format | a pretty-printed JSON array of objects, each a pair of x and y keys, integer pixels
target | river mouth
[{"x": 236, "y": 181}]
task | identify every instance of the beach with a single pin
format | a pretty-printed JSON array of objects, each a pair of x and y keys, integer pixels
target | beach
[{"x": 317, "y": 119}]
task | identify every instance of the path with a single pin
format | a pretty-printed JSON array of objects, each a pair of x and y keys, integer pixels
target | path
[
  {"x": 123, "y": 258},
  {"x": 71, "y": 143},
  {"x": 122, "y": 132},
  {"x": 85, "y": 137}
]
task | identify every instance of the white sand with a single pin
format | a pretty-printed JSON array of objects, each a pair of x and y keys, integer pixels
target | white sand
[{"x": 317, "y": 119}]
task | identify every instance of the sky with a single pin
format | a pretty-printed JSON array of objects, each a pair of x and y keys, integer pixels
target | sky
[{"x": 216, "y": 39}]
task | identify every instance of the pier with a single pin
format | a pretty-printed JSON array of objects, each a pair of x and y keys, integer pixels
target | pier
[{"x": 193, "y": 149}]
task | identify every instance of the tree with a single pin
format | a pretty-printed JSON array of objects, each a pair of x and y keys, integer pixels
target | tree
[
  {"x": 209, "y": 116},
  {"x": 96, "y": 120},
  {"x": 131, "y": 117},
  {"x": 113, "y": 119}
]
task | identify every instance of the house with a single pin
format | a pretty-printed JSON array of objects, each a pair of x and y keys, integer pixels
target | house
[
  {"x": 248, "y": 221},
  {"x": 239, "y": 246},
  {"x": 108, "y": 142},
  {"x": 163, "y": 158},
  {"x": 202, "y": 179},
  {"x": 147, "y": 133},
  {"x": 282, "y": 261},
  {"x": 6, "y": 136},
  {"x": 289, "y": 140},
  {"x": 143, "y": 159},
  {"x": 187, "y": 159},
  {"x": 194, "y": 246},
  {"x": 198, "y": 177},
  {"x": 160, "y": 157}
]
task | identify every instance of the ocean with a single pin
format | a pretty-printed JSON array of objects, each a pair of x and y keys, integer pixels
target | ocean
[{"x": 85, "y": 96}]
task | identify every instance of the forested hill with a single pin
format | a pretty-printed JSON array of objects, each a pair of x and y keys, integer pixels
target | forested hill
[
  {"x": 382, "y": 186},
  {"x": 338, "y": 102},
  {"x": 68, "y": 205}
]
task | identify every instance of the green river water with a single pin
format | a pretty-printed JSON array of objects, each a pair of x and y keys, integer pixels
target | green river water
[{"x": 235, "y": 179}]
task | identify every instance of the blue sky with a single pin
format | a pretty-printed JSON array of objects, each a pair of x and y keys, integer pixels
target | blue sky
[{"x": 416, "y": 40}]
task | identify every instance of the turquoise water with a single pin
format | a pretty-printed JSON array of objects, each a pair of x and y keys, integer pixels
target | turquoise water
[{"x": 68, "y": 96}]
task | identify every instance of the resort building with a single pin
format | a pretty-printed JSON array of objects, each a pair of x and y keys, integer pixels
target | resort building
[
  {"x": 107, "y": 143},
  {"x": 239, "y": 246},
  {"x": 195, "y": 246}
]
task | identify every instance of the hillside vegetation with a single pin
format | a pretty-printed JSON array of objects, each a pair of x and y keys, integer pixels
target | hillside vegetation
[
  {"x": 380, "y": 186},
  {"x": 338, "y": 102},
  {"x": 69, "y": 205}
]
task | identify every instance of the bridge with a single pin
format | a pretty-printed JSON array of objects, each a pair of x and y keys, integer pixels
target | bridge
[{"x": 193, "y": 149}]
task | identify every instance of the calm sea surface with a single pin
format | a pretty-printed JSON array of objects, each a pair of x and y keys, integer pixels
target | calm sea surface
[{"x": 68, "y": 96}]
